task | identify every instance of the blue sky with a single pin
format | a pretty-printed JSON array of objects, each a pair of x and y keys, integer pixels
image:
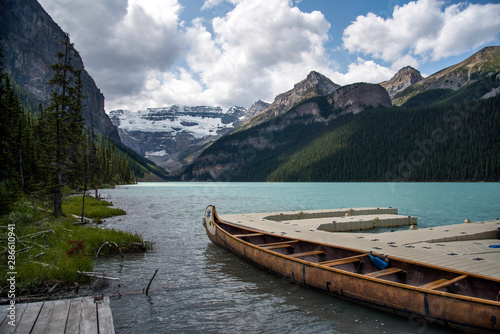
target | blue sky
[{"x": 153, "y": 53}]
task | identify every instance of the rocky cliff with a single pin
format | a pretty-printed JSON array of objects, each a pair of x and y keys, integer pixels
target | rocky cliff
[
  {"x": 357, "y": 97},
  {"x": 404, "y": 78},
  {"x": 29, "y": 40}
]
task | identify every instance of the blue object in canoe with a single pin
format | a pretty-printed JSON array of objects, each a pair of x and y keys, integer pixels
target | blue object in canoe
[
  {"x": 379, "y": 263},
  {"x": 494, "y": 246}
]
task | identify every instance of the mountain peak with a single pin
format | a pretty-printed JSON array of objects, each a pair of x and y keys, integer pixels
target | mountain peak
[
  {"x": 404, "y": 78},
  {"x": 315, "y": 84}
]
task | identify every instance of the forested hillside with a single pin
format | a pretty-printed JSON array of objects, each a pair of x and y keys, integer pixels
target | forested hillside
[
  {"x": 42, "y": 154},
  {"x": 440, "y": 142}
]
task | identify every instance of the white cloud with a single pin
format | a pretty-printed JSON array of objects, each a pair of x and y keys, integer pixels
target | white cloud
[
  {"x": 121, "y": 41},
  {"x": 422, "y": 29},
  {"x": 257, "y": 50}
]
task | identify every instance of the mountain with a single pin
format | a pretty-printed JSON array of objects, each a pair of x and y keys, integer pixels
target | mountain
[
  {"x": 30, "y": 40},
  {"x": 315, "y": 84},
  {"x": 447, "y": 129},
  {"x": 473, "y": 78},
  {"x": 289, "y": 130},
  {"x": 404, "y": 78},
  {"x": 170, "y": 136}
]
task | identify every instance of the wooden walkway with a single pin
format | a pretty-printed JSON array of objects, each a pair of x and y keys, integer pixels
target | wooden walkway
[{"x": 79, "y": 315}]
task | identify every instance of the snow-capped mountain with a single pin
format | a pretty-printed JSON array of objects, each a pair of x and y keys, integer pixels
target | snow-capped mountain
[{"x": 167, "y": 135}]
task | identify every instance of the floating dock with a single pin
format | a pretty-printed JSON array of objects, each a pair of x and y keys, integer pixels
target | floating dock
[
  {"x": 72, "y": 316},
  {"x": 462, "y": 247}
]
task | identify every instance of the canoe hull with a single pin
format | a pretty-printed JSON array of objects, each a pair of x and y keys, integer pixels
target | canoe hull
[{"x": 467, "y": 314}]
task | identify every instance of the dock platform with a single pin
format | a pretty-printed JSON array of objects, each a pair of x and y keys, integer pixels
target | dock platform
[
  {"x": 79, "y": 315},
  {"x": 463, "y": 246}
]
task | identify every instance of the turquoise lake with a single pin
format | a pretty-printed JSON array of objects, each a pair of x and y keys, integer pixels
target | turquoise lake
[{"x": 201, "y": 288}]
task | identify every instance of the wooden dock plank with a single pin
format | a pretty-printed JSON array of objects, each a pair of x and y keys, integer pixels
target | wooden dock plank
[
  {"x": 71, "y": 316},
  {"x": 74, "y": 316},
  {"x": 28, "y": 318},
  {"x": 5, "y": 327},
  {"x": 88, "y": 323},
  {"x": 104, "y": 317},
  {"x": 52, "y": 317}
]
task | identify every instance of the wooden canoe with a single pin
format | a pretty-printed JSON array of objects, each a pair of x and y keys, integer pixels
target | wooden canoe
[{"x": 461, "y": 300}]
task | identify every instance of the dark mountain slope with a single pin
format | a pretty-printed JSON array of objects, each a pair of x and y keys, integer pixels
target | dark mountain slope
[{"x": 30, "y": 40}]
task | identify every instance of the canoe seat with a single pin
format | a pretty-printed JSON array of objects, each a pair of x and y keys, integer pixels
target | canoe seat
[
  {"x": 278, "y": 243},
  {"x": 441, "y": 283},
  {"x": 384, "y": 272},
  {"x": 314, "y": 252},
  {"x": 338, "y": 262},
  {"x": 247, "y": 235},
  {"x": 278, "y": 246}
]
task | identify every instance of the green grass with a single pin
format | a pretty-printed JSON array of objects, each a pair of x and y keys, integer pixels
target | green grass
[
  {"x": 51, "y": 251},
  {"x": 94, "y": 208}
]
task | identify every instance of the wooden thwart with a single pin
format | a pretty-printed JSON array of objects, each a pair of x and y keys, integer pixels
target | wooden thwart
[
  {"x": 443, "y": 282},
  {"x": 314, "y": 252},
  {"x": 278, "y": 246},
  {"x": 248, "y": 235},
  {"x": 384, "y": 272},
  {"x": 278, "y": 243},
  {"x": 345, "y": 260}
]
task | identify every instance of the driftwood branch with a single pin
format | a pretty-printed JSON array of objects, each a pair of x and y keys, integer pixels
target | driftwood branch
[
  {"x": 150, "y": 281},
  {"x": 96, "y": 275},
  {"x": 99, "y": 250},
  {"x": 37, "y": 234}
]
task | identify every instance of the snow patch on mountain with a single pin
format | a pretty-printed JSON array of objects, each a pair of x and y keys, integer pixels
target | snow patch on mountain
[{"x": 199, "y": 121}]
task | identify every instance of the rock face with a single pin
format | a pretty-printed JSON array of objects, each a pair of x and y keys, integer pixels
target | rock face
[
  {"x": 359, "y": 96},
  {"x": 170, "y": 134},
  {"x": 30, "y": 40},
  {"x": 315, "y": 84},
  {"x": 405, "y": 77}
]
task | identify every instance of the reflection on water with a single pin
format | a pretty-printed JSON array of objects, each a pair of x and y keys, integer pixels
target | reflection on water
[{"x": 201, "y": 288}]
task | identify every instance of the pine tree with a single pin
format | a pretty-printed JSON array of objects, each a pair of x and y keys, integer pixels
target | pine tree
[{"x": 63, "y": 124}]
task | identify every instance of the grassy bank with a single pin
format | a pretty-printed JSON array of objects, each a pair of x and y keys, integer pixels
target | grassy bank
[{"x": 49, "y": 252}]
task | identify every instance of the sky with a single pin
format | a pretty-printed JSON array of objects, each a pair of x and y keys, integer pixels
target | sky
[{"x": 154, "y": 53}]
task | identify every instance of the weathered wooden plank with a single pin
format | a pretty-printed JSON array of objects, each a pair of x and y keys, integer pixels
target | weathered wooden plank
[
  {"x": 28, "y": 318},
  {"x": 74, "y": 316},
  {"x": 384, "y": 272},
  {"x": 5, "y": 327},
  {"x": 52, "y": 317},
  {"x": 345, "y": 260},
  {"x": 278, "y": 243},
  {"x": 278, "y": 246},
  {"x": 88, "y": 324},
  {"x": 3, "y": 314},
  {"x": 441, "y": 283},
  {"x": 248, "y": 235},
  {"x": 314, "y": 252},
  {"x": 104, "y": 317}
]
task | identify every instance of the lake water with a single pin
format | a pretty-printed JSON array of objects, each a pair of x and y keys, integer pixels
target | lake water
[{"x": 201, "y": 288}]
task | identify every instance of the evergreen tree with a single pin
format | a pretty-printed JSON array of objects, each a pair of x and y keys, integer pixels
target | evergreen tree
[{"x": 62, "y": 124}]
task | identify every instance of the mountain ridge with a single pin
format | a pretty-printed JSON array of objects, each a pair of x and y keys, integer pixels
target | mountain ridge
[
  {"x": 265, "y": 150},
  {"x": 473, "y": 68}
]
